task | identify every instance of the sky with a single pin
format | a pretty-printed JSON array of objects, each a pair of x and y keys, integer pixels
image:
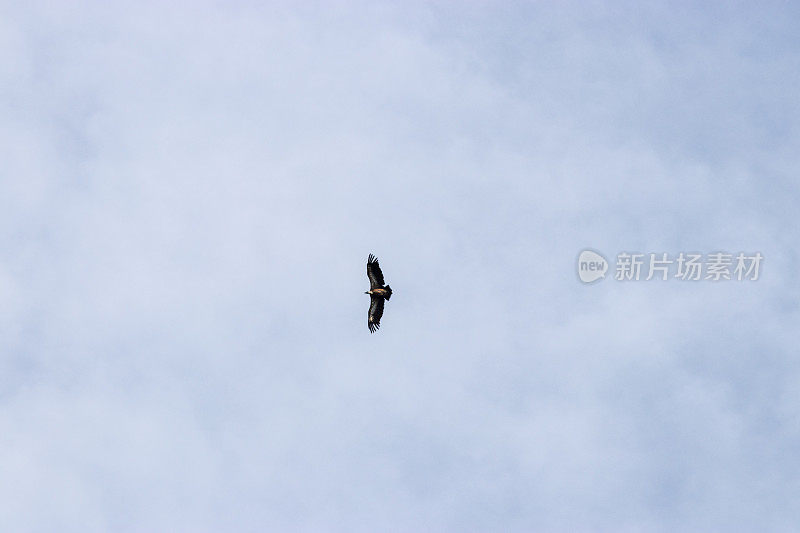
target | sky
[{"x": 188, "y": 195}]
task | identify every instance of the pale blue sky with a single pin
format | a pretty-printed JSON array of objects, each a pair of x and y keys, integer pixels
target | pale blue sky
[{"x": 188, "y": 195}]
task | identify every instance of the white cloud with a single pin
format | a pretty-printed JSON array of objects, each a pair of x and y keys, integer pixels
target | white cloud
[{"x": 188, "y": 200}]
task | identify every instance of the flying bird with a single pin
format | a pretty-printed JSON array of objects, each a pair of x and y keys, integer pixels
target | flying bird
[{"x": 377, "y": 293}]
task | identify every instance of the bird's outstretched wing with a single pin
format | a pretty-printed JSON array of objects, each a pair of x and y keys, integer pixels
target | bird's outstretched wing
[
  {"x": 375, "y": 313},
  {"x": 374, "y": 274}
]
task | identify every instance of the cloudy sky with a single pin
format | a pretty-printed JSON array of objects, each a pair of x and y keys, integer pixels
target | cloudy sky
[{"x": 189, "y": 192}]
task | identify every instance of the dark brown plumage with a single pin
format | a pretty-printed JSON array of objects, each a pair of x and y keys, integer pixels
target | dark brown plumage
[{"x": 377, "y": 293}]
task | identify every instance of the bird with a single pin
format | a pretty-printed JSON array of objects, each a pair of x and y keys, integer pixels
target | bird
[{"x": 378, "y": 292}]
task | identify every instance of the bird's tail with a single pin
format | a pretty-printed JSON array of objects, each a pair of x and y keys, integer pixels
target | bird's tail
[{"x": 388, "y": 292}]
